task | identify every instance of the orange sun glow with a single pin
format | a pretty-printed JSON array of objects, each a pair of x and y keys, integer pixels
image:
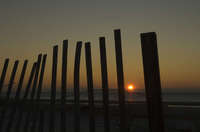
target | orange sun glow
[{"x": 130, "y": 87}]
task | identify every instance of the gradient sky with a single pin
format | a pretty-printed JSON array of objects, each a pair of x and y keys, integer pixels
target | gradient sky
[{"x": 29, "y": 27}]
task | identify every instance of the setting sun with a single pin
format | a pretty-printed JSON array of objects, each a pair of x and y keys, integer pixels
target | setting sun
[{"x": 130, "y": 87}]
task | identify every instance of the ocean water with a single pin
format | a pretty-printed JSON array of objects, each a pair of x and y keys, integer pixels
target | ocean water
[{"x": 131, "y": 96}]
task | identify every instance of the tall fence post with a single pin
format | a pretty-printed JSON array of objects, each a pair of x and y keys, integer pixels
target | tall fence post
[
  {"x": 152, "y": 81},
  {"x": 64, "y": 86},
  {"x": 77, "y": 87},
  {"x": 104, "y": 79},
  {"x": 17, "y": 96},
  {"x": 53, "y": 89},
  {"x": 90, "y": 86},
  {"x": 120, "y": 80},
  {"x": 3, "y": 74},
  {"x": 10, "y": 85},
  {"x": 27, "y": 89}
]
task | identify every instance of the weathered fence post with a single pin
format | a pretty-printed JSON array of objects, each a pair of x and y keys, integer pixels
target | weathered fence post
[
  {"x": 41, "y": 112},
  {"x": 3, "y": 74},
  {"x": 16, "y": 99},
  {"x": 53, "y": 89},
  {"x": 41, "y": 78},
  {"x": 36, "y": 77},
  {"x": 76, "y": 87},
  {"x": 120, "y": 80},
  {"x": 152, "y": 81},
  {"x": 10, "y": 85},
  {"x": 27, "y": 90},
  {"x": 64, "y": 86},
  {"x": 32, "y": 106},
  {"x": 19, "y": 119},
  {"x": 90, "y": 86},
  {"x": 37, "y": 100},
  {"x": 104, "y": 78},
  {"x": 21, "y": 80}
]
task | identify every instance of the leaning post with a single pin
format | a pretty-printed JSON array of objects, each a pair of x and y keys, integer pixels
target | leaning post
[
  {"x": 16, "y": 98},
  {"x": 3, "y": 74},
  {"x": 24, "y": 99},
  {"x": 8, "y": 93},
  {"x": 120, "y": 80},
  {"x": 29, "y": 114},
  {"x": 152, "y": 81}
]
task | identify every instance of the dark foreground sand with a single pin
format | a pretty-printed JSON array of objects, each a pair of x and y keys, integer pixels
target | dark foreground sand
[{"x": 179, "y": 117}]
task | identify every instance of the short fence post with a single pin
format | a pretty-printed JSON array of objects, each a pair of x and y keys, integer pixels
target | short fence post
[
  {"x": 10, "y": 85},
  {"x": 19, "y": 119},
  {"x": 152, "y": 81},
  {"x": 17, "y": 96},
  {"x": 3, "y": 74},
  {"x": 32, "y": 95},
  {"x": 120, "y": 80},
  {"x": 90, "y": 86},
  {"x": 38, "y": 108},
  {"x": 37, "y": 100},
  {"x": 104, "y": 78},
  {"x": 21, "y": 80},
  {"x": 36, "y": 77},
  {"x": 27, "y": 89},
  {"x": 77, "y": 87}
]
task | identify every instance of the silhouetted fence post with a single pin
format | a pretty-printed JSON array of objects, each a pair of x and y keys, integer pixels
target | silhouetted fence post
[
  {"x": 76, "y": 87},
  {"x": 64, "y": 86},
  {"x": 16, "y": 99},
  {"x": 90, "y": 87},
  {"x": 36, "y": 77},
  {"x": 152, "y": 81},
  {"x": 120, "y": 80},
  {"x": 3, "y": 74},
  {"x": 27, "y": 90},
  {"x": 32, "y": 106},
  {"x": 151, "y": 77},
  {"x": 104, "y": 78},
  {"x": 53, "y": 89},
  {"x": 19, "y": 119},
  {"x": 10, "y": 85},
  {"x": 38, "y": 111},
  {"x": 37, "y": 100},
  {"x": 21, "y": 80},
  {"x": 39, "y": 91}
]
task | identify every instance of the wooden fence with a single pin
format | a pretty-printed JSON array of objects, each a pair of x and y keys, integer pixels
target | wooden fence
[{"x": 24, "y": 113}]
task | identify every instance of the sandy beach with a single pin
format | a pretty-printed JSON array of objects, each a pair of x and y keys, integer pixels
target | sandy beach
[{"x": 179, "y": 116}]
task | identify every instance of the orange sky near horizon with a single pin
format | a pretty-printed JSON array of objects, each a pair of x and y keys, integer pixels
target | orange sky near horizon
[{"x": 30, "y": 28}]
